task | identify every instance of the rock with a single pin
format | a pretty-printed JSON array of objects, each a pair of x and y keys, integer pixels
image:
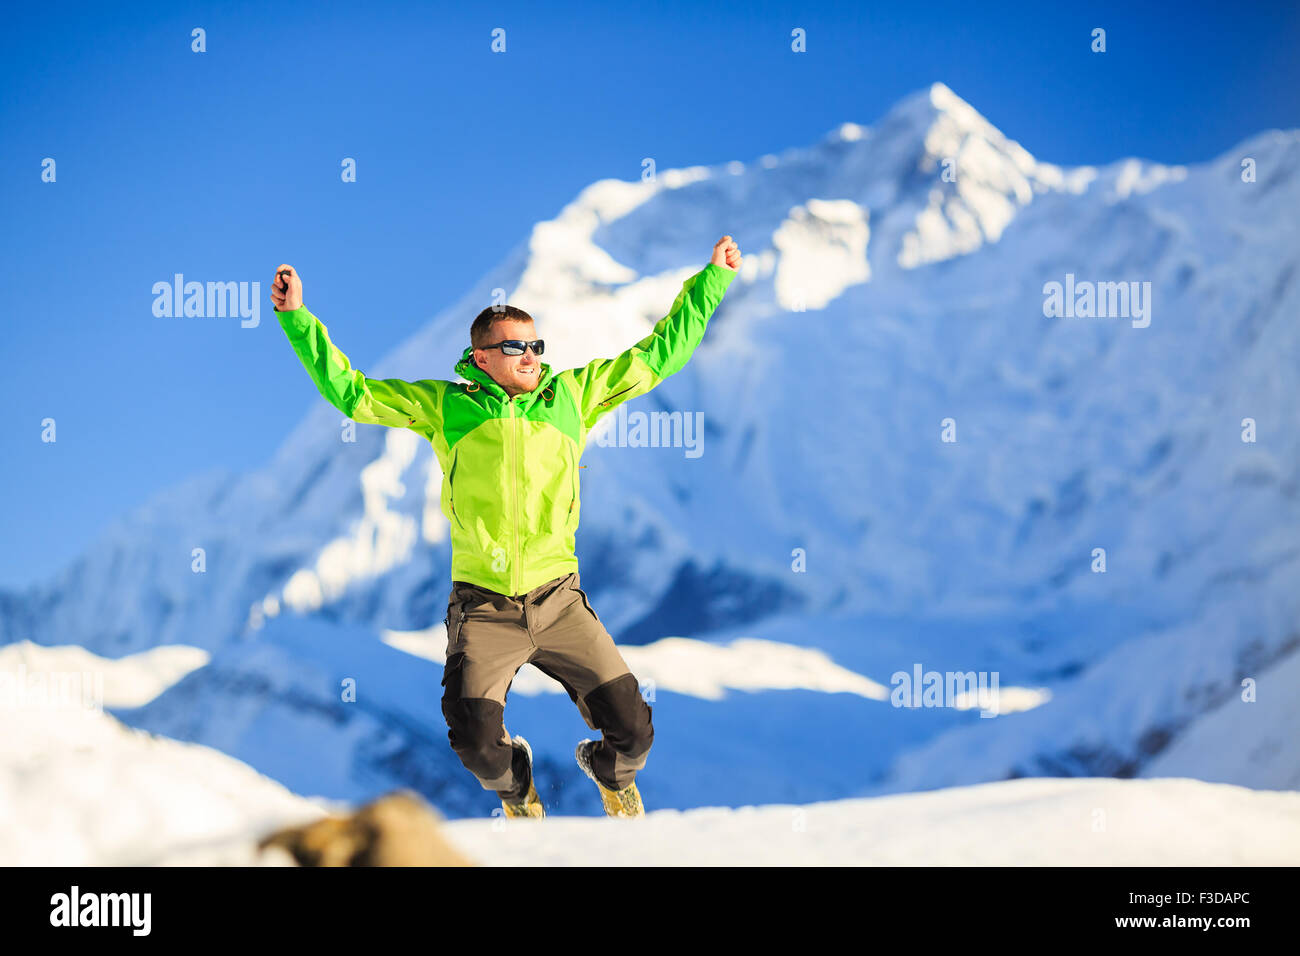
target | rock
[{"x": 398, "y": 829}]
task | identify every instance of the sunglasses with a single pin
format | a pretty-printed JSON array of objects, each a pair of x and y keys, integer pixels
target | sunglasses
[{"x": 517, "y": 346}]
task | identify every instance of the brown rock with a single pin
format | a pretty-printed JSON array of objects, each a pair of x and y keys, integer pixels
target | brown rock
[{"x": 398, "y": 829}]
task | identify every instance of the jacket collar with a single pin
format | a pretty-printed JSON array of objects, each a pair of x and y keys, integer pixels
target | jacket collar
[{"x": 466, "y": 368}]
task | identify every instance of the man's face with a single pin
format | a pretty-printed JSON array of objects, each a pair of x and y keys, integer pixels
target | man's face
[{"x": 514, "y": 373}]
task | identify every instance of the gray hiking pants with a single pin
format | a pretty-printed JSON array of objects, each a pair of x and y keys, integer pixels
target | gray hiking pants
[{"x": 553, "y": 627}]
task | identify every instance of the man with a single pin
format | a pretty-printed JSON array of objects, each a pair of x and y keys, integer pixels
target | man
[{"x": 508, "y": 441}]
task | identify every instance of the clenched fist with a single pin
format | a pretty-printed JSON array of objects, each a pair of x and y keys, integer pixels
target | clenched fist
[
  {"x": 286, "y": 290},
  {"x": 726, "y": 254}
]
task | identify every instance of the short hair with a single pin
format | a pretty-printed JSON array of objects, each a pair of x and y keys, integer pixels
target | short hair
[{"x": 480, "y": 333}]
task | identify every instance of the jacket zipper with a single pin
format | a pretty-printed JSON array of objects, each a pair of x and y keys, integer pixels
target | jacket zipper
[
  {"x": 514, "y": 479},
  {"x": 609, "y": 398}
]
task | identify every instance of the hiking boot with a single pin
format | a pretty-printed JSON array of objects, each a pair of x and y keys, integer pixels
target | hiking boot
[
  {"x": 618, "y": 803},
  {"x": 531, "y": 804}
]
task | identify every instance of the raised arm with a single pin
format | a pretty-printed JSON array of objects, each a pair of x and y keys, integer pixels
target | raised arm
[
  {"x": 370, "y": 401},
  {"x": 603, "y": 384}
]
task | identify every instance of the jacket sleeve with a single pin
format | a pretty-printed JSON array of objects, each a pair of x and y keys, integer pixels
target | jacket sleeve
[
  {"x": 368, "y": 401},
  {"x": 603, "y": 384}
]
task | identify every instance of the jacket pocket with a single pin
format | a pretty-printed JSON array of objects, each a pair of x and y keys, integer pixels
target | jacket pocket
[
  {"x": 451, "y": 488},
  {"x": 586, "y": 602},
  {"x": 455, "y": 620},
  {"x": 573, "y": 479},
  {"x": 610, "y": 398}
]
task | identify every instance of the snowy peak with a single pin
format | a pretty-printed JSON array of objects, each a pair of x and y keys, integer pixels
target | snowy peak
[
  {"x": 933, "y": 178},
  {"x": 938, "y": 124},
  {"x": 970, "y": 178},
  {"x": 922, "y": 110},
  {"x": 936, "y": 178}
]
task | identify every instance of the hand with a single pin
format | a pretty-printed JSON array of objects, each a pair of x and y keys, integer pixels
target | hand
[
  {"x": 286, "y": 290},
  {"x": 726, "y": 254}
]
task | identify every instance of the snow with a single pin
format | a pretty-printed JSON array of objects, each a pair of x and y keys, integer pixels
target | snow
[
  {"x": 987, "y": 177},
  {"x": 822, "y": 250},
  {"x": 1136, "y": 178},
  {"x": 95, "y": 681},
  {"x": 101, "y": 794},
  {"x": 380, "y": 539},
  {"x": 77, "y": 788},
  {"x": 1085, "y": 822},
  {"x": 1253, "y": 742}
]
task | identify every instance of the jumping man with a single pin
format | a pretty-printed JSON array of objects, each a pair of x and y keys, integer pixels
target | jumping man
[{"x": 508, "y": 440}]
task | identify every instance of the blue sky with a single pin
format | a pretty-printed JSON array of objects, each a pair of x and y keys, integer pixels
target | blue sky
[{"x": 223, "y": 164}]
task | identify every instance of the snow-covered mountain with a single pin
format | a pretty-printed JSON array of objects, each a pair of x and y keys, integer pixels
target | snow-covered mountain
[{"x": 894, "y": 280}]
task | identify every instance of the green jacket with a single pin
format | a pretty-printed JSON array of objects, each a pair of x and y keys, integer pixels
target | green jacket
[{"x": 510, "y": 489}]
